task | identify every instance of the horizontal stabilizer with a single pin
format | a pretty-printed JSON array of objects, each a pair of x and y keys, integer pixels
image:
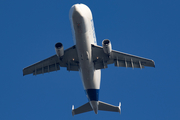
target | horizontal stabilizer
[
  {"x": 84, "y": 108},
  {"x": 101, "y": 106},
  {"x": 108, "y": 107}
]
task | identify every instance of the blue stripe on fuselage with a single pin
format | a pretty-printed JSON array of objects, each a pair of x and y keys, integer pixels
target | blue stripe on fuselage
[{"x": 92, "y": 94}]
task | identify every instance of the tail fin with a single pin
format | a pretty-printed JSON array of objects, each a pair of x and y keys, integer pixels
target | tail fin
[{"x": 102, "y": 106}]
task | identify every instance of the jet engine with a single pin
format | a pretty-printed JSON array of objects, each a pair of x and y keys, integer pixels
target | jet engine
[
  {"x": 59, "y": 49},
  {"x": 107, "y": 46}
]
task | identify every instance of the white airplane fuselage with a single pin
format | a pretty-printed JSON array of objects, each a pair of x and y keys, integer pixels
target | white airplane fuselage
[
  {"x": 88, "y": 58},
  {"x": 84, "y": 35}
]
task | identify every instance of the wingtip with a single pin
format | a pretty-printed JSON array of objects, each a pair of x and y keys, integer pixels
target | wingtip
[
  {"x": 119, "y": 107},
  {"x": 73, "y": 110},
  {"x": 153, "y": 63}
]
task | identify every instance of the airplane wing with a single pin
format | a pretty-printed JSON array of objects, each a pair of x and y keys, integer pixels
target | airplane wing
[
  {"x": 120, "y": 59},
  {"x": 53, "y": 63}
]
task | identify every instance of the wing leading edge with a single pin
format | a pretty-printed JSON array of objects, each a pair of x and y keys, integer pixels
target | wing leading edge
[
  {"x": 120, "y": 59},
  {"x": 53, "y": 63}
]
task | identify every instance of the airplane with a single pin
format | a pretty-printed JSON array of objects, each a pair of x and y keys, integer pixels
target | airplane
[{"x": 88, "y": 58}]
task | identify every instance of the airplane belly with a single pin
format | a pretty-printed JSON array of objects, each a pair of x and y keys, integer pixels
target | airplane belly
[
  {"x": 90, "y": 76},
  {"x": 84, "y": 36}
]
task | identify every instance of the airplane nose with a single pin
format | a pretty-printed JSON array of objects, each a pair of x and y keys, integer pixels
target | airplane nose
[
  {"x": 81, "y": 11},
  {"x": 76, "y": 10}
]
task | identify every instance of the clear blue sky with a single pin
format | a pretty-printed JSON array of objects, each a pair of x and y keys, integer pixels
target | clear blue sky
[{"x": 29, "y": 30}]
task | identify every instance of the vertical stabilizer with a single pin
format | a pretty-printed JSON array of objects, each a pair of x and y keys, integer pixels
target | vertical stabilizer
[{"x": 94, "y": 105}]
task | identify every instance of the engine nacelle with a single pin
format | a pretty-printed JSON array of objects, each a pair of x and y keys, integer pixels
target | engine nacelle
[
  {"x": 107, "y": 46},
  {"x": 59, "y": 49}
]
